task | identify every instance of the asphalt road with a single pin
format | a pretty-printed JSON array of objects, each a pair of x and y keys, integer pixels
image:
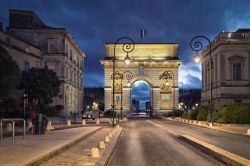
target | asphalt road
[
  {"x": 233, "y": 143},
  {"x": 147, "y": 143}
]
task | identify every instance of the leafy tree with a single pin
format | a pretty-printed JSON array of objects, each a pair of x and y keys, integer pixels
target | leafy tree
[
  {"x": 9, "y": 74},
  {"x": 41, "y": 85}
]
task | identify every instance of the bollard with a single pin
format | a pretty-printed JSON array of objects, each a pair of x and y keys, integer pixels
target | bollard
[
  {"x": 199, "y": 123},
  {"x": 102, "y": 145},
  {"x": 107, "y": 139},
  {"x": 49, "y": 126},
  {"x": 83, "y": 122},
  {"x": 110, "y": 135},
  {"x": 210, "y": 124},
  {"x": 194, "y": 121},
  {"x": 95, "y": 152},
  {"x": 29, "y": 126},
  {"x": 9, "y": 127},
  {"x": 97, "y": 121},
  {"x": 68, "y": 123},
  {"x": 248, "y": 131}
]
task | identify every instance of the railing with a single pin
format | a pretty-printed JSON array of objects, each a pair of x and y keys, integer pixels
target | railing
[
  {"x": 12, "y": 120},
  {"x": 229, "y": 36}
]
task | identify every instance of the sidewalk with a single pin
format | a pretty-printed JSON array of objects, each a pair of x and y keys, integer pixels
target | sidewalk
[
  {"x": 39, "y": 146},
  {"x": 228, "y": 128}
]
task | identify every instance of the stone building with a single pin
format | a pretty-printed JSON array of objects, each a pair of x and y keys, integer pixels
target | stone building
[
  {"x": 59, "y": 52},
  {"x": 156, "y": 64},
  {"x": 230, "y": 52},
  {"x": 24, "y": 54}
]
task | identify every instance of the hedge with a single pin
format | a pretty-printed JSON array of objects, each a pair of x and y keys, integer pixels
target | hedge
[{"x": 234, "y": 113}]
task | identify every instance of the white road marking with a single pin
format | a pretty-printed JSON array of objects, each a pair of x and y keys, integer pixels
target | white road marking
[{"x": 159, "y": 125}]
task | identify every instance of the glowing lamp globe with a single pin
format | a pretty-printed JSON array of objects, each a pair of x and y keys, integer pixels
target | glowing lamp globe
[
  {"x": 127, "y": 60},
  {"x": 197, "y": 58}
]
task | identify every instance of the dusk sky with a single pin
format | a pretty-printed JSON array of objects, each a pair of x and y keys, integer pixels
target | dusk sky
[{"x": 96, "y": 22}]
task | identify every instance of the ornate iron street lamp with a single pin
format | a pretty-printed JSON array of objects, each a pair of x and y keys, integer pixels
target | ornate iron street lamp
[
  {"x": 128, "y": 75},
  {"x": 127, "y": 48},
  {"x": 197, "y": 46}
]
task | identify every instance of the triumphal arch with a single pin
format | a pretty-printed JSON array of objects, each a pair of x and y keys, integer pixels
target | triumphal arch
[{"x": 155, "y": 63}]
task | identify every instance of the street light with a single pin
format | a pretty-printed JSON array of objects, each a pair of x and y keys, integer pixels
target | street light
[
  {"x": 127, "y": 47},
  {"x": 197, "y": 46},
  {"x": 25, "y": 104},
  {"x": 128, "y": 75}
]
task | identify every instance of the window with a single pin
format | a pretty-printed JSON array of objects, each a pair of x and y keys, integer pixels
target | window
[
  {"x": 62, "y": 70},
  {"x": 26, "y": 65},
  {"x": 237, "y": 71},
  {"x": 52, "y": 48},
  {"x": 66, "y": 49},
  {"x": 71, "y": 55}
]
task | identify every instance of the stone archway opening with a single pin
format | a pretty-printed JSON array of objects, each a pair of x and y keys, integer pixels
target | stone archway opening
[{"x": 141, "y": 99}]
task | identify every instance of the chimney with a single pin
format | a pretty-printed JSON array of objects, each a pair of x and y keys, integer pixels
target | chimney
[{"x": 1, "y": 26}]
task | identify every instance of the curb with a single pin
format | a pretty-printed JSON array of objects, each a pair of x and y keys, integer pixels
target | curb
[
  {"x": 107, "y": 153},
  {"x": 226, "y": 157},
  {"x": 55, "y": 152},
  {"x": 228, "y": 132}
]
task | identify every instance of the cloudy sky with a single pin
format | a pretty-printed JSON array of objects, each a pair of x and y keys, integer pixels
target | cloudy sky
[{"x": 96, "y": 22}]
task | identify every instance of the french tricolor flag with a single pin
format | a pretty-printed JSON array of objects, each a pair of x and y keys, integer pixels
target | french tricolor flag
[{"x": 143, "y": 33}]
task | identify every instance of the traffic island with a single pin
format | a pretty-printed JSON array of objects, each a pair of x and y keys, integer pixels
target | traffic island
[
  {"x": 224, "y": 156},
  {"x": 110, "y": 147},
  {"x": 242, "y": 130}
]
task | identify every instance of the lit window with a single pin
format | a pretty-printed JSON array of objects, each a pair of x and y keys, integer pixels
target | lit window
[{"x": 237, "y": 71}]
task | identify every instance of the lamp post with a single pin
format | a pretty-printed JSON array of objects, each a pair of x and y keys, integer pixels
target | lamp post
[
  {"x": 128, "y": 76},
  {"x": 25, "y": 103},
  {"x": 197, "y": 46},
  {"x": 127, "y": 48}
]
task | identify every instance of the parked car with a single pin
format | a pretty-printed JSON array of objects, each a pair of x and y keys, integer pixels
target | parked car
[{"x": 88, "y": 115}]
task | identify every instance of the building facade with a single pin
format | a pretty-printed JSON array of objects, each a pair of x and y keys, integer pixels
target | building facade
[
  {"x": 58, "y": 51},
  {"x": 157, "y": 64},
  {"x": 230, "y": 52},
  {"x": 24, "y": 54}
]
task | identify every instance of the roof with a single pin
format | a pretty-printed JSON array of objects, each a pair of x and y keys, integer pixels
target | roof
[{"x": 243, "y": 30}]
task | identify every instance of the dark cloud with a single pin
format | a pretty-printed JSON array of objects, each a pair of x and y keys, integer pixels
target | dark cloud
[{"x": 94, "y": 23}]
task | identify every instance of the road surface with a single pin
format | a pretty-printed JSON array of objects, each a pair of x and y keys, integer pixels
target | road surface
[
  {"x": 148, "y": 143},
  {"x": 233, "y": 143}
]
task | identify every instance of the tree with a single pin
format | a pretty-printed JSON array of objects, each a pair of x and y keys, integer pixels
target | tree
[
  {"x": 41, "y": 85},
  {"x": 9, "y": 74}
]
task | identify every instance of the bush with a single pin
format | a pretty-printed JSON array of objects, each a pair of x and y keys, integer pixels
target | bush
[
  {"x": 109, "y": 113},
  {"x": 191, "y": 114},
  {"x": 234, "y": 113},
  {"x": 174, "y": 113},
  {"x": 202, "y": 113}
]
